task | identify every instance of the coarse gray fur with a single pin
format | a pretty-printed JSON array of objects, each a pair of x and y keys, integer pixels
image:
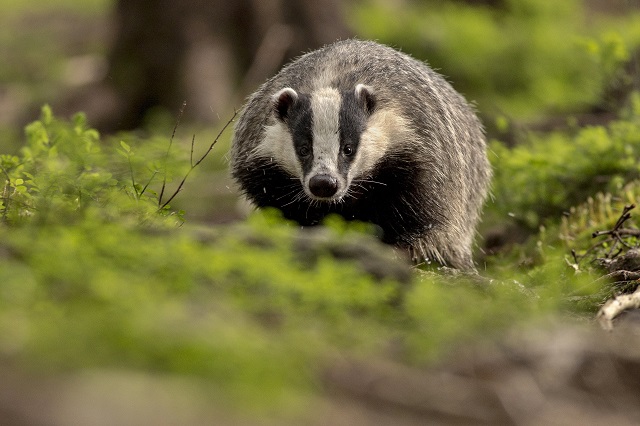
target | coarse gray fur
[{"x": 420, "y": 171}]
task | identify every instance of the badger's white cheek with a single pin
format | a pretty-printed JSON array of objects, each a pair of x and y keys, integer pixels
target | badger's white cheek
[
  {"x": 384, "y": 128},
  {"x": 370, "y": 150},
  {"x": 278, "y": 146}
]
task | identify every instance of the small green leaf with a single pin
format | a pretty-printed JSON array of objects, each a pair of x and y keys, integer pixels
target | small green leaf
[
  {"x": 47, "y": 115},
  {"x": 126, "y": 147}
]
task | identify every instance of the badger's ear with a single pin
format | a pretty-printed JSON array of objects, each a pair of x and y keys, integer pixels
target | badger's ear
[
  {"x": 366, "y": 98},
  {"x": 282, "y": 102}
]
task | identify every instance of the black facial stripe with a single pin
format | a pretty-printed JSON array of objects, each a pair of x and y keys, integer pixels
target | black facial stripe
[
  {"x": 352, "y": 122},
  {"x": 300, "y": 123}
]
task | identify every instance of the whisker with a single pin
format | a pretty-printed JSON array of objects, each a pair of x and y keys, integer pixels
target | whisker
[
  {"x": 357, "y": 185},
  {"x": 300, "y": 196},
  {"x": 293, "y": 191},
  {"x": 369, "y": 181},
  {"x": 350, "y": 195}
]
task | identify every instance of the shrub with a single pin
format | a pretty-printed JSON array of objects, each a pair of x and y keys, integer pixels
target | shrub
[{"x": 544, "y": 177}]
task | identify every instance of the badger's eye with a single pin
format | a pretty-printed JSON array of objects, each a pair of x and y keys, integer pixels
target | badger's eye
[
  {"x": 304, "y": 151},
  {"x": 347, "y": 150}
]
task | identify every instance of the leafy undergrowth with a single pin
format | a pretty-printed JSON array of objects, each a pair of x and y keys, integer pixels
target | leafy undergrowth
[
  {"x": 97, "y": 273},
  {"x": 574, "y": 194},
  {"x": 553, "y": 56},
  {"x": 554, "y": 172}
]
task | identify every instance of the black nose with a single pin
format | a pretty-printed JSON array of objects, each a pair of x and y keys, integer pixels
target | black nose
[{"x": 323, "y": 186}]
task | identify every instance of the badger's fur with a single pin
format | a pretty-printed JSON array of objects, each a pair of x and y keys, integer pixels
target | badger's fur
[{"x": 362, "y": 130}]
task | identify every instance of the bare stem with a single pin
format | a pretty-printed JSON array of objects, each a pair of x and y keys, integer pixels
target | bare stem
[
  {"x": 166, "y": 156},
  {"x": 227, "y": 124},
  {"x": 155, "y": 172},
  {"x": 133, "y": 179},
  {"x": 194, "y": 165}
]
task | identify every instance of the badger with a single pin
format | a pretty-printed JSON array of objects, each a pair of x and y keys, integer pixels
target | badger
[{"x": 362, "y": 130}]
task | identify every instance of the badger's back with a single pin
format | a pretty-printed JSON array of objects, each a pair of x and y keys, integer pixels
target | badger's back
[{"x": 420, "y": 173}]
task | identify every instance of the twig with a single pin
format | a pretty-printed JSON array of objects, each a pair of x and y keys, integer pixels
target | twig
[
  {"x": 621, "y": 276},
  {"x": 5, "y": 194},
  {"x": 133, "y": 179},
  {"x": 617, "y": 233},
  {"x": 614, "y": 307},
  {"x": 193, "y": 142},
  {"x": 625, "y": 215},
  {"x": 623, "y": 231},
  {"x": 155, "y": 172},
  {"x": 227, "y": 124},
  {"x": 194, "y": 165},
  {"x": 166, "y": 156},
  {"x": 621, "y": 220},
  {"x": 575, "y": 256},
  {"x": 184, "y": 179}
]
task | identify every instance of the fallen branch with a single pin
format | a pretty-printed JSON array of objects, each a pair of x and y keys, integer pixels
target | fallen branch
[
  {"x": 616, "y": 306},
  {"x": 621, "y": 276},
  {"x": 622, "y": 231}
]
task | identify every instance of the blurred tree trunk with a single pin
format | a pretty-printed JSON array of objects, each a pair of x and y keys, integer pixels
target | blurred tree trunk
[{"x": 205, "y": 52}]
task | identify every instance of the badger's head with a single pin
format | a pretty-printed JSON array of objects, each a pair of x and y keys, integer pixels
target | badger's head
[{"x": 324, "y": 138}]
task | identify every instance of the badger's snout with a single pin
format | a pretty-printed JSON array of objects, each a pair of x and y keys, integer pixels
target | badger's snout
[{"x": 323, "y": 186}]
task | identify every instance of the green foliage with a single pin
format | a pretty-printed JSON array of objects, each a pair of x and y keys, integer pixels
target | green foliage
[
  {"x": 83, "y": 285},
  {"x": 549, "y": 174},
  {"x": 521, "y": 57},
  {"x": 610, "y": 53},
  {"x": 598, "y": 213},
  {"x": 237, "y": 308},
  {"x": 568, "y": 186},
  {"x": 10, "y": 7},
  {"x": 95, "y": 274},
  {"x": 601, "y": 232},
  {"x": 64, "y": 173}
]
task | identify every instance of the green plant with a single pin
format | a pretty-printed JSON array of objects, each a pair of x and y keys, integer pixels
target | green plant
[
  {"x": 65, "y": 172},
  {"x": 60, "y": 172},
  {"x": 541, "y": 179},
  {"x": 520, "y": 58},
  {"x": 98, "y": 280}
]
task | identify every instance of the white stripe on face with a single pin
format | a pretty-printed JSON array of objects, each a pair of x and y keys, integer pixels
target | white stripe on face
[
  {"x": 278, "y": 144},
  {"x": 325, "y": 104}
]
